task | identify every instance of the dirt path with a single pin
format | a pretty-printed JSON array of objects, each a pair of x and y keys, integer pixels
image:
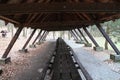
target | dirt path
[{"x": 28, "y": 66}]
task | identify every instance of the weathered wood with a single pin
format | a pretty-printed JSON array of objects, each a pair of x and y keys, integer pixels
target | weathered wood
[
  {"x": 78, "y": 34},
  {"x": 8, "y": 9},
  {"x": 83, "y": 35},
  {"x": 45, "y": 36},
  {"x": 63, "y": 65},
  {"x": 107, "y": 38},
  {"x": 91, "y": 37},
  {"x": 74, "y": 34},
  {"x": 9, "y": 20},
  {"x": 42, "y": 36},
  {"x": 29, "y": 39},
  {"x": 37, "y": 37},
  {"x": 12, "y": 42}
]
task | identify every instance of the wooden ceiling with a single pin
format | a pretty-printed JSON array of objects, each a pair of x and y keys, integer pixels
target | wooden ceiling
[{"x": 55, "y": 15}]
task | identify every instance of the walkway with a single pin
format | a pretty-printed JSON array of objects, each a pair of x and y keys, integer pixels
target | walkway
[{"x": 96, "y": 68}]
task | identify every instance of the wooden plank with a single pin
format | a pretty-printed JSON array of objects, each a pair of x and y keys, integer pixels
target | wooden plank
[{"x": 8, "y": 9}]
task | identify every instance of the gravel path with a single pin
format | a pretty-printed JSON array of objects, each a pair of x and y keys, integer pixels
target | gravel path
[{"x": 30, "y": 65}]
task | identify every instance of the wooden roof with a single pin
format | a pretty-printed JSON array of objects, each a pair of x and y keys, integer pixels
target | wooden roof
[{"x": 54, "y": 15}]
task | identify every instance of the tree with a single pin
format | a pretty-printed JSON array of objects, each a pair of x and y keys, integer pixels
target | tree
[{"x": 112, "y": 28}]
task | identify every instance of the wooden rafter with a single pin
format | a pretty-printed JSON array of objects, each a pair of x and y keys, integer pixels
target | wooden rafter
[{"x": 9, "y": 20}]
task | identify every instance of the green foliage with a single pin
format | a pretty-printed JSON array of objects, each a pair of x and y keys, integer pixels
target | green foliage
[{"x": 114, "y": 27}]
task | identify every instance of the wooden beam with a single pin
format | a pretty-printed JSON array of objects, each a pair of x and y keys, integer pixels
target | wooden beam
[
  {"x": 37, "y": 37},
  {"x": 25, "y": 8},
  {"x": 108, "y": 38},
  {"x": 29, "y": 39},
  {"x": 42, "y": 36},
  {"x": 77, "y": 34},
  {"x": 82, "y": 35},
  {"x": 9, "y": 20},
  {"x": 91, "y": 37},
  {"x": 62, "y": 23},
  {"x": 12, "y": 42}
]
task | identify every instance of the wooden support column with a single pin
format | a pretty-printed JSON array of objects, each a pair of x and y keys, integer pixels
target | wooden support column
[
  {"x": 12, "y": 42},
  {"x": 37, "y": 37},
  {"x": 78, "y": 35},
  {"x": 107, "y": 38},
  {"x": 83, "y": 35},
  {"x": 29, "y": 39},
  {"x": 74, "y": 35},
  {"x": 91, "y": 37},
  {"x": 45, "y": 36},
  {"x": 42, "y": 36}
]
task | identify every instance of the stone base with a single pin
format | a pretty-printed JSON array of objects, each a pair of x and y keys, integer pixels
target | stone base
[
  {"x": 80, "y": 42},
  {"x": 115, "y": 58},
  {"x": 88, "y": 45},
  {"x": 39, "y": 43},
  {"x": 98, "y": 48},
  {"x": 23, "y": 51},
  {"x": 5, "y": 60},
  {"x": 32, "y": 46}
]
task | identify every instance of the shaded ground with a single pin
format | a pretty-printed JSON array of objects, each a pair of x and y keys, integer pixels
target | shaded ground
[{"x": 28, "y": 66}]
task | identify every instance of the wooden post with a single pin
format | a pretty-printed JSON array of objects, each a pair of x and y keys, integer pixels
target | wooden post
[
  {"x": 107, "y": 38},
  {"x": 83, "y": 35},
  {"x": 42, "y": 36},
  {"x": 45, "y": 36},
  {"x": 91, "y": 37},
  {"x": 29, "y": 39},
  {"x": 74, "y": 35},
  {"x": 78, "y": 35},
  {"x": 37, "y": 37},
  {"x": 12, "y": 42}
]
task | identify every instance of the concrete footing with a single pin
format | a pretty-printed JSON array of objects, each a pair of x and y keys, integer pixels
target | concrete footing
[
  {"x": 98, "y": 48},
  {"x": 115, "y": 58},
  {"x": 88, "y": 45},
  {"x": 23, "y": 51},
  {"x": 32, "y": 46},
  {"x": 39, "y": 43},
  {"x": 5, "y": 60},
  {"x": 80, "y": 42}
]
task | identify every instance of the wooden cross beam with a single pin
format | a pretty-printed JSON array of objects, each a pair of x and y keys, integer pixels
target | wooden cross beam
[
  {"x": 26, "y": 8},
  {"x": 62, "y": 23}
]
